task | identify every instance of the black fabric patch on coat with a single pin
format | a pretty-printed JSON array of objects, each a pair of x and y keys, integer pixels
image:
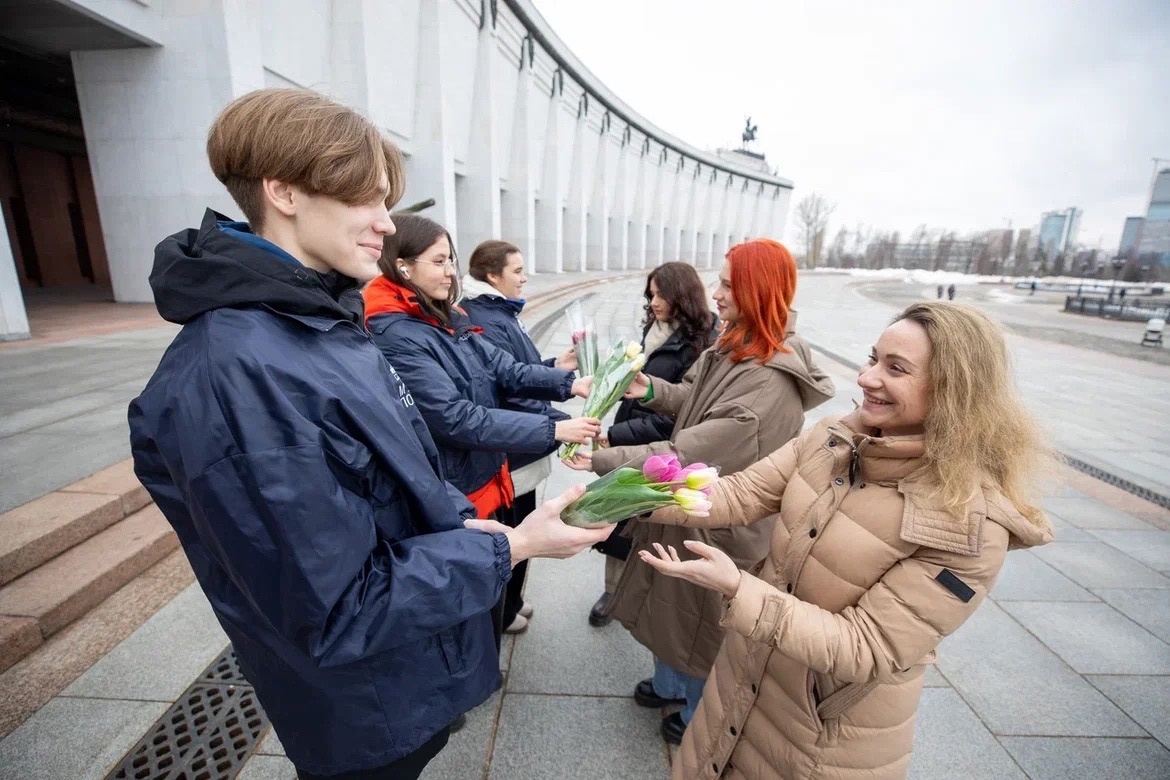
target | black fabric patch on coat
[{"x": 962, "y": 590}]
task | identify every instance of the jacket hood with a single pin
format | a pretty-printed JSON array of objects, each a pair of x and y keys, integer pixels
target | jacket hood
[
  {"x": 482, "y": 292},
  {"x": 814, "y": 385},
  {"x": 200, "y": 270},
  {"x": 898, "y": 459},
  {"x": 384, "y": 297}
]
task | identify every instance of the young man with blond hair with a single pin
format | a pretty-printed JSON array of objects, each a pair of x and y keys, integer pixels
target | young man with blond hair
[{"x": 285, "y": 451}]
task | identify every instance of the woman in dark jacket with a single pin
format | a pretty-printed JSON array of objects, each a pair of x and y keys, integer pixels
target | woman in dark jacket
[
  {"x": 677, "y": 328},
  {"x": 454, "y": 376},
  {"x": 492, "y": 298}
]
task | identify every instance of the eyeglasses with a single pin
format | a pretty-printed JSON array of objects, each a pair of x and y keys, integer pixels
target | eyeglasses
[{"x": 444, "y": 264}]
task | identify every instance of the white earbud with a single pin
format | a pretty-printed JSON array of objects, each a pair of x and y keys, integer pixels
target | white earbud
[{"x": 402, "y": 270}]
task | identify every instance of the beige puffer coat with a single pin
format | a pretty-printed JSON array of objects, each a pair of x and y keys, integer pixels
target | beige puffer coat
[
  {"x": 728, "y": 415},
  {"x": 821, "y": 671}
]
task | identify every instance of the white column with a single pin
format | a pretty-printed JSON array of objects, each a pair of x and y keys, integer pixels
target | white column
[
  {"x": 643, "y": 187},
  {"x": 597, "y": 220},
  {"x": 690, "y": 236},
  {"x": 621, "y": 209},
  {"x": 727, "y": 218},
  {"x": 757, "y": 189},
  {"x": 576, "y": 203},
  {"x": 430, "y": 170},
  {"x": 550, "y": 218},
  {"x": 479, "y": 196},
  {"x": 671, "y": 249},
  {"x": 656, "y": 219},
  {"x": 13, "y": 318},
  {"x": 147, "y": 148},
  {"x": 707, "y": 219},
  {"x": 778, "y": 212},
  {"x": 739, "y": 229},
  {"x": 518, "y": 201}
]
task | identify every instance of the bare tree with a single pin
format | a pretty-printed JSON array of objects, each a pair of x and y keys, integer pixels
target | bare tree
[
  {"x": 812, "y": 214},
  {"x": 861, "y": 235},
  {"x": 837, "y": 249},
  {"x": 1020, "y": 265},
  {"x": 1004, "y": 250},
  {"x": 920, "y": 238},
  {"x": 946, "y": 243}
]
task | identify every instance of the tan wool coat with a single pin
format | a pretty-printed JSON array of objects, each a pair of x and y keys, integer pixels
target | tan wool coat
[
  {"x": 727, "y": 415},
  {"x": 821, "y": 672}
]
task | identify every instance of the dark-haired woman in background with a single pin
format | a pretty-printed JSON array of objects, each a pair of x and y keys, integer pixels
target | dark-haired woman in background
[{"x": 677, "y": 328}]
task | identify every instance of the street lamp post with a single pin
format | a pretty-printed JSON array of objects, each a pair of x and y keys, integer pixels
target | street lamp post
[{"x": 1118, "y": 264}]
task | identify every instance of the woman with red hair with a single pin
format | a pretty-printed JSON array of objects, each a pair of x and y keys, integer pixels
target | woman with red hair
[{"x": 744, "y": 398}]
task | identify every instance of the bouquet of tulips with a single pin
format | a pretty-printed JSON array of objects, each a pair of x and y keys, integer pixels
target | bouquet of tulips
[
  {"x": 584, "y": 339},
  {"x": 626, "y": 492},
  {"x": 610, "y": 381}
]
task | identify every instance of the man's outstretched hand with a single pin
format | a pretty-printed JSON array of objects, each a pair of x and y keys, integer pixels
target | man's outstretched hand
[{"x": 542, "y": 534}]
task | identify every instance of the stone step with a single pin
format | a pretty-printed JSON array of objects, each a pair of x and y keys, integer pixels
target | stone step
[
  {"x": 44, "y": 528},
  {"x": 63, "y": 589}
]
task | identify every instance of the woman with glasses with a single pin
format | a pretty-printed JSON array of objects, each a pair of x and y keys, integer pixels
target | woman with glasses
[{"x": 454, "y": 376}]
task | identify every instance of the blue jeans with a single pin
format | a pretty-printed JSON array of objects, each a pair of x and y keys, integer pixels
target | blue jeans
[{"x": 671, "y": 684}]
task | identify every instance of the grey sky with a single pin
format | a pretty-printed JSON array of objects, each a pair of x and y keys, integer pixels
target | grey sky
[{"x": 958, "y": 115}]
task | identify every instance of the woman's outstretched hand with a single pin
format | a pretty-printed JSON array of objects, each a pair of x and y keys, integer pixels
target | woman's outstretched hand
[
  {"x": 582, "y": 460},
  {"x": 713, "y": 569},
  {"x": 638, "y": 388}
]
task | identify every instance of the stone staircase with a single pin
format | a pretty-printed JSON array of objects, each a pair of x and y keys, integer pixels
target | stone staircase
[{"x": 64, "y": 553}]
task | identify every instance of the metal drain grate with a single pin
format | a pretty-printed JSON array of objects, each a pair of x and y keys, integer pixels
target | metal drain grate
[
  {"x": 1121, "y": 482},
  {"x": 207, "y": 734},
  {"x": 225, "y": 670},
  {"x": 1109, "y": 478}
]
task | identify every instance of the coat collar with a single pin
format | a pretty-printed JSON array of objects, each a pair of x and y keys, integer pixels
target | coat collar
[
  {"x": 900, "y": 461},
  {"x": 474, "y": 289},
  {"x": 383, "y": 296}
]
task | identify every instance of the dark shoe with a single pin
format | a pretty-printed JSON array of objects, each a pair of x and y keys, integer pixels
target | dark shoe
[
  {"x": 645, "y": 696},
  {"x": 458, "y": 723},
  {"x": 597, "y": 616},
  {"x": 672, "y": 728}
]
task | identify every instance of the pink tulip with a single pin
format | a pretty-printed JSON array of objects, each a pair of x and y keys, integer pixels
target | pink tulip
[
  {"x": 661, "y": 468},
  {"x": 693, "y": 502}
]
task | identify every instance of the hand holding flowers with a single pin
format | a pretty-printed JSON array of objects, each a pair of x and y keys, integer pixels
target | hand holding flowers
[{"x": 608, "y": 383}]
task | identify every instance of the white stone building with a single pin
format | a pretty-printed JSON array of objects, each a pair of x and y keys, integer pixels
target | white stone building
[{"x": 510, "y": 134}]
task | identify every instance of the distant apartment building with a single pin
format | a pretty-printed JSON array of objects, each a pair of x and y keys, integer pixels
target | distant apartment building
[
  {"x": 1058, "y": 231},
  {"x": 1146, "y": 240}
]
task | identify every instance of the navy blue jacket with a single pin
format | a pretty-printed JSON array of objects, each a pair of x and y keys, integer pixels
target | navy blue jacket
[
  {"x": 457, "y": 379},
  {"x": 500, "y": 320},
  {"x": 309, "y": 498}
]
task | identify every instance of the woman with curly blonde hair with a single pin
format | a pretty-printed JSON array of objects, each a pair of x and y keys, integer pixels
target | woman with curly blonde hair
[{"x": 894, "y": 523}]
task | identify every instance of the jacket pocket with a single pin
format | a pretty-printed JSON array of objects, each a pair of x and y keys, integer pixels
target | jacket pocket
[
  {"x": 810, "y": 696},
  {"x": 452, "y": 655}
]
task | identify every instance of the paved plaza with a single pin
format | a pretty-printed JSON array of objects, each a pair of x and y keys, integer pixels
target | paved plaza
[{"x": 1064, "y": 674}]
